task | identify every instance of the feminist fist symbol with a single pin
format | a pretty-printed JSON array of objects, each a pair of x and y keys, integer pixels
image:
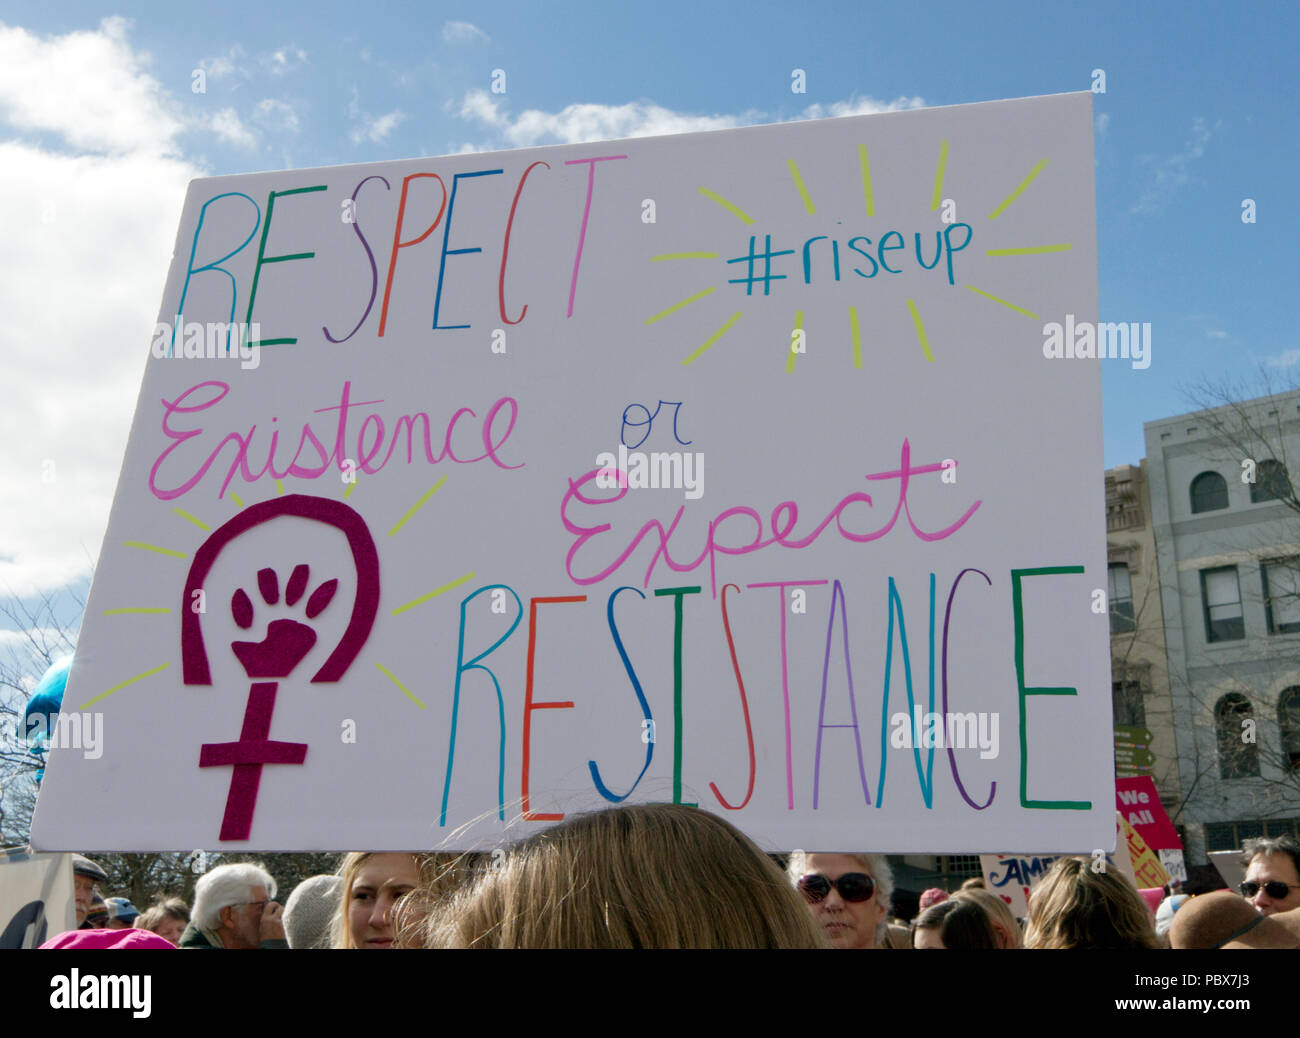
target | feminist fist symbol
[
  {"x": 275, "y": 656},
  {"x": 286, "y": 641}
]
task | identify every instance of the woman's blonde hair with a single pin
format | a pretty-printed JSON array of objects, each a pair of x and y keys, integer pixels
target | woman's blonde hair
[
  {"x": 999, "y": 912},
  {"x": 643, "y": 876},
  {"x": 1075, "y": 907}
]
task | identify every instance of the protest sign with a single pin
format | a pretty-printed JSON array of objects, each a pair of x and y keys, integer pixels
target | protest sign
[
  {"x": 36, "y": 898},
  {"x": 743, "y": 469}
]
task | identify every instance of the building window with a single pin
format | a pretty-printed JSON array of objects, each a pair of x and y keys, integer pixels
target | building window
[
  {"x": 1229, "y": 836},
  {"x": 1209, "y": 492},
  {"x": 1238, "y": 757},
  {"x": 1222, "y": 597},
  {"x": 1282, "y": 595},
  {"x": 1288, "y": 719},
  {"x": 1121, "y": 599},
  {"x": 1271, "y": 482},
  {"x": 1126, "y": 697},
  {"x": 960, "y": 866}
]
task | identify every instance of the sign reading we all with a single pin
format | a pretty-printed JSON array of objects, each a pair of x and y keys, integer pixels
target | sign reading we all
[{"x": 467, "y": 493}]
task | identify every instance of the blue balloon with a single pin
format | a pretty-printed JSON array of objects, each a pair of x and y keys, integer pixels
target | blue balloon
[{"x": 43, "y": 707}]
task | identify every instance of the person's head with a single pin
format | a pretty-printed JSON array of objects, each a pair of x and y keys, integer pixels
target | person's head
[
  {"x": 97, "y": 913},
  {"x": 121, "y": 914},
  {"x": 167, "y": 919},
  {"x": 848, "y": 895},
  {"x": 974, "y": 883},
  {"x": 372, "y": 885},
  {"x": 1223, "y": 920},
  {"x": 229, "y": 902},
  {"x": 1272, "y": 881},
  {"x": 958, "y": 924},
  {"x": 1073, "y": 906},
  {"x": 85, "y": 874},
  {"x": 998, "y": 911},
  {"x": 640, "y": 876},
  {"x": 311, "y": 912}
]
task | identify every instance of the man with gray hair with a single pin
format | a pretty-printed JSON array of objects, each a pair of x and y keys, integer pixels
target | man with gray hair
[
  {"x": 233, "y": 908},
  {"x": 1272, "y": 881}
]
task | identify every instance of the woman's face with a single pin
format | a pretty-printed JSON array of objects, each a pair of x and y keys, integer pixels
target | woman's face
[
  {"x": 170, "y": 928},
  {"x": 928, "y": 939},
  {"x": 379, "y": 882},
  {"x": 847, "y": 924}
]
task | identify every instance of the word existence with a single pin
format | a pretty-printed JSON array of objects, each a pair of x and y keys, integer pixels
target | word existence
[{"x": 92, "y": 991}]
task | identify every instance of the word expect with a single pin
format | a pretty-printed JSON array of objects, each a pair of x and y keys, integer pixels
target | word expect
[
  {"x": 73, "y": 731},
  {"x": 1087, "y": 341},
  {"x": 210, "y": 339},
  {"x": 945, "y": 731},
  {"x": 676, "y": 470},
  {"x": 891, "y": 241}
]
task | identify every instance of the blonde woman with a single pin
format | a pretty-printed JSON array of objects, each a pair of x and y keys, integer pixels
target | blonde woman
[
  {"x": 999, "y": 913},
  {"x": 1074, "y": 907},
  {"x": 372, "y": 885},
  {"x": 643, "y": 876}
]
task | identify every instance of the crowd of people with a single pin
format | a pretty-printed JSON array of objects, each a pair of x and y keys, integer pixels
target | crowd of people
[{"x": 671, "y": 876}]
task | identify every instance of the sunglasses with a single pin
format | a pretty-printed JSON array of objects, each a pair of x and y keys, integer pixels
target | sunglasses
[
  {"x": 1274, "y": 888},
  {"x": 852, "y": 886}
]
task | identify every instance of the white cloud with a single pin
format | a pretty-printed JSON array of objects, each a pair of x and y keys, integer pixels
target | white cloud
[
  {"x": 372, "y": 128},
  {"x": 1102, "y": 122},
  {"x": 88, "y": 88},
  {"x": 276, "y": 115},
  {"x": 463, "y": 32},
  {"x": 283, "y": 59},
  {"x": 224, "y": 65},
  {"x": 580, "y": 123},
  {"x": 90, "y": 220},
  {"x": 1285, "y": 359},
  {"x": 1215, "y": 333},
  {"x": 227, "y": 125},
  {"x": 1173, "y": 172}
]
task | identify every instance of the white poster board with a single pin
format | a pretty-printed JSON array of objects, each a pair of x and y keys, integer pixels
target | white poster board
[
  {"x": 36, "y": 898},
  {"x": 828, "y": 339}
]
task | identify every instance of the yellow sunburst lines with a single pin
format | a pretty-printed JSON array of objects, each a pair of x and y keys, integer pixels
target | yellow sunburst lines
[
  {"x": 868, "y": 197},
  {"x": 393, "y": 678},
  {"x": 192, "y": 519},
  {"x": 801, "y": 187},
  {"x": 1030, "y": 250},
  {"x": 279, "y": 488},
  {"x": 351, "y": 486},
  {"x": 1011, "y": 306},
  {"x": 682, "y": 255},
  {"x": 1029, "y": 179},
  {"x": 434, "y": 593},
  {"x": 153, "y": 547},
  {"x": 709, "y": 342},
  {"x": 856, "y": 335},
  {"x": 122, "y": 684},
  {"x": 730, "y": 207},
  {"x": 795, "y": 336},
  {"x": 939, "y": 172},
  {"x": 920, "y": 330},
  {"x": 134, "y": 610},
  {"x": 685, "y": 302},
  {"x": 237, "y": 499},
  {"x": 417, "y": 506}
]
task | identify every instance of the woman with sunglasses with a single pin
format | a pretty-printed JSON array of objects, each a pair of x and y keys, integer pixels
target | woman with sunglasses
[{"x": 848, "y": 895}]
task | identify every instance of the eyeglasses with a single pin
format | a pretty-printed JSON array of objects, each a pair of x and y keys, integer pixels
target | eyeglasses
[
  {"x": 1274, "y": 888},
  {"x": 250, "y": 904},
  {"x": 852, "y": 886}
]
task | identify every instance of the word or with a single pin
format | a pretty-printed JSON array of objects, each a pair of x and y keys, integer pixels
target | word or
[
  {"x": 676, "y": 470},
  {"x": 74, "y": 731},
  {"x": 125, "y": 991},
  {"x": 784, "y": 518},
  {"x": 946, "y": 731},
  {"x": 891, "y": 241},
  {"x": 1086, "y": 341},
  {"x": 199, "y": 340},
  {"x": 366, "y": 446},
  {"x": 649, "y": 422}
]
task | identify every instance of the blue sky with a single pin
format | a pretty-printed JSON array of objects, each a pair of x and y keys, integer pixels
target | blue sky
[{"x": 1199, "y": 113}]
